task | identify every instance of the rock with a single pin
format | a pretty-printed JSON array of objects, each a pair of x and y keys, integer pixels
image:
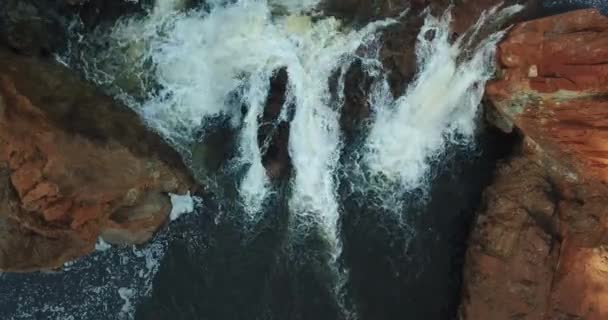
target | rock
[
  {"x": 538, "y": 247},
  {"x": 273, "y": 134},
  {"x": 512, "y": 250},
  {"x": 580, "y": 289},
  {"x": 553, "y": 83},
  {"x": 94, "y": 13},
  {"x": 36, "y": 27},
  {"x": 399, "y": 40},
  {"x": 74, "y": 165},
  {"x": 26, "y": 27}
]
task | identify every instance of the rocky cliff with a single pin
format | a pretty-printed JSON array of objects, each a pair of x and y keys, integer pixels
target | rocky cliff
[
  {"x": 538, "y": 248},
  {"x": 74, "y": 166}
]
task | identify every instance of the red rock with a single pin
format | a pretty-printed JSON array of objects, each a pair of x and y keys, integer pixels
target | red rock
[
  {"x": 511, "y": 255},
  {"x": 580, "y": 288},
  {"x": 74, "y": 166},
  {"x": 545, "y": 218},
  {"x": 553, "y": 85}
]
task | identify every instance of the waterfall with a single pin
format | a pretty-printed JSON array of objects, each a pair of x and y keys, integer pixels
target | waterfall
[
  {"x": 438, "y": 108},
  {"x": 203, "y": 60},
  {"x": 219, "y": 61}
]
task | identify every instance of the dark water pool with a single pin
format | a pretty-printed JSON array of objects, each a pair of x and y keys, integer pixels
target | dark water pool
[{"x": 397, "y": 270}]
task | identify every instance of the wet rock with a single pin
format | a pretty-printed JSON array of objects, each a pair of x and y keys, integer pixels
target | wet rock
[
  {"x": 74, "y": 165},
  {"x": 538, "y": 247},
  {"x": 397, "y": 52},
  {"x": 553, "y": 86},
  {"x": 399, "y": 41},
  {"x": 26, "y": 27},
  {"x": 273, "y": 134},
  {"x": 94, "y": 13}
]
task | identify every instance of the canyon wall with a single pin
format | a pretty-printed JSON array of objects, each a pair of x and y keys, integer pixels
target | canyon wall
[
  {"x": 538, "y": 247},
  {"x": 74, "y": 166}
]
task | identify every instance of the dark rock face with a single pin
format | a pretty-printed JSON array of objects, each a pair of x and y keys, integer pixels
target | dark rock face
[
  {"x": 74, "y": 166},
  {"x": 273, "y": 134},
  {"x": 25, "y": 26},
  {"x": 39, "y": 27}
]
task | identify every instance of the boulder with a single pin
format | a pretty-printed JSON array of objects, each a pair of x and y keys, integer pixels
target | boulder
[
  {"x": 538, "y": 246},
  {"x": 74, "y": 166}
]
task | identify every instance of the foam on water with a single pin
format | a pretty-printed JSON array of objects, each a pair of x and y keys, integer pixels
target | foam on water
[
  {"x": 181, "y": 204},
  {"x": 255, "y": 185},
  {"x": 101, "y": 245},
  {"x": 127, "y": 308},
  {"x": 220, "y": 62},
  {"x": 215, "y": 63},
  {"x": 438, "y": 107},
  {"x": 96, "y": 278}
]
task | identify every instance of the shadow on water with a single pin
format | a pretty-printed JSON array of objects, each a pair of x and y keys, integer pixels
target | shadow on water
[
  {"x": 412, "y": 270},
  {"x": 243, "y": 275},
  {"x": 395, "y": 272}
]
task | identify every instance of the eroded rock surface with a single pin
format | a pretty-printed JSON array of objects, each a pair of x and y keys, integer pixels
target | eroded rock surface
[
  {"x": 538, "y": 248},
  {"x": 554, "y": 85},
  {"x": 74, "y": 165}
]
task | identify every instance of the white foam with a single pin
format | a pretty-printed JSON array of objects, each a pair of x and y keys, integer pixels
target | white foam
[
  {"x": 180, "y": 204},
  {"x": 220, "y": 63},
  {"x": 296, "y": 6},
  {"x": 255, "y": 185},
  {"x": 101, "y": 245},
  {"x": 315, "y": 138},
  {"x": 204, "y": 60},
  {"x": 438, "y": 108},
  {"x": 97, "y": 290},
  {"x": 127, "y": 308}
]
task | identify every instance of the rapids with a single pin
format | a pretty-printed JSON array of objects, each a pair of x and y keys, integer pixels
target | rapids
[
  {"x": 199, "y": 64},
  {"x": 184, "y": 70}
]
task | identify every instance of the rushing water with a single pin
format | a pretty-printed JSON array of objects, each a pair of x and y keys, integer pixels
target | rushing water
[
  {"x": 438, "y": 108},
  {"x": 337, "y": 238},
  {"x": 187, "y": 67},
  {"x": 220, "y": 61}
]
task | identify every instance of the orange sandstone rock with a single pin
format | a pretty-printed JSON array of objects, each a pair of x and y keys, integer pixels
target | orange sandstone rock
[
  {"x": 538, "y": 247},
  {"x": 74, "y": 165}
]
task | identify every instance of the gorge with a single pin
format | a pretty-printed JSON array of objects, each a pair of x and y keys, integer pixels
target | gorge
[{"x": 335, "y": 155}]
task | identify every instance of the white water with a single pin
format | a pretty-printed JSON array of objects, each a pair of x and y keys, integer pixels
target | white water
[
  {"x": 204, "y": 60},
  {"x": 215, "y": 63},
  {"x": 315, "y": 139},
  {"x": 180, "y": 205},
  {"x": 438, "y": 108}
]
